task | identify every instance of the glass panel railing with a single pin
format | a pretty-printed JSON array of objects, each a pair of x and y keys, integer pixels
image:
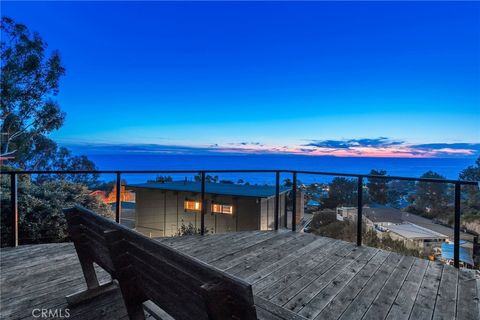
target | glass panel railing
[{"x": 329, "y": 206}]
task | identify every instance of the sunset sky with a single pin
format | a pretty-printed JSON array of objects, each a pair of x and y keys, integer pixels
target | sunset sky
[{"x": 320, "y": 78}]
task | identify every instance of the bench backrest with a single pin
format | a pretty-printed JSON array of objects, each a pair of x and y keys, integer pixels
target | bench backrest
[
  {"x": 87, "y": 231},
  {"x": 183, "y": 286}
]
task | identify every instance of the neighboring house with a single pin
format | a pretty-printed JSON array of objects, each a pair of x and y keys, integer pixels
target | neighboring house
[
  {"x": 346, "y": 213},
  {"x": 417, "y": 232},
  {"x": 416, "y": 237},
  {"x": 125, "y": 195},
  {"x": 111, "y": 197},
  {"x": 162, "y": 208}
]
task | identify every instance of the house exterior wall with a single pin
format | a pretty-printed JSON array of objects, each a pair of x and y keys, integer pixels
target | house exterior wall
[
  {"x": 150, "y": 204},
  {"x": 347, "y": 213},
  {"x": 267, "y": 215},
  {"x": 424, "y": 246},
  {"x": 161, "y": 213}
]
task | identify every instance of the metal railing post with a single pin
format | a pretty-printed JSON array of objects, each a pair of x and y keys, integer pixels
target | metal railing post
[
  {"x": 277, "y": 198},
  {"x": 118, "y": 198},
  {"x": 359, "y": 210},
  {"x": 14, "y": 206},
  {"x": 203, "y": 206},
  {"x": 456, "y": 236},
  {"x": 294, "y": 206}
]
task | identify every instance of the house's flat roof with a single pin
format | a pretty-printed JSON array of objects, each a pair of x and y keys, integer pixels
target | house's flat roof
[
  {"x": 239, "y": 190},
  {"x": 384, "y": 214},
  {"x": 378, "y": 213},
  {"x": 412, "y": 231}
]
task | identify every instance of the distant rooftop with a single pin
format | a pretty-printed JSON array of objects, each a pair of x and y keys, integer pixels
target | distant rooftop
[
  {"x": 214, "y": 188},
  {"x": 383, "y": 214},
  {"x": 412, "y": 231},
  {"x": 379, "y": 213}
]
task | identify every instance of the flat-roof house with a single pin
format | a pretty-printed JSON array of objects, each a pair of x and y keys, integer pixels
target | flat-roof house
[
  {"x": 416, "y": 237},
  {"x": 162, "y": 208},
  {"x": 383, "y": 216},
  {"x": 417, "y": 232}
]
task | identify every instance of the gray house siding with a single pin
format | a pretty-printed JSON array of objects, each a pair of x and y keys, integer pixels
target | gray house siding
[{"x": 161, "y": 213}]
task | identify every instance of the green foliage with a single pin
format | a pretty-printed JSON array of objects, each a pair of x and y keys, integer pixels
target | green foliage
[
  {"x": 342, "y": 191},
  {"x": 342, "y": 230},
  {"x": 471, "y": 194},
  {"x": 161, "y": 179},
  {"x": 324, "y": 225},
  {"x": 208, "y": 178},
  {"x": 287, "y": 183},
  {"x": 29, "y": 82},
  {"x": 398, "y": 190},
  {"x": 371, "y": 239},
  {"x": 40, "y": 208},
  {"x": 431, "y": 198},
  {"x": 323, "y": 218},
  {"x": 188, "y": 230},
  {"x": 378, "y": 188}
]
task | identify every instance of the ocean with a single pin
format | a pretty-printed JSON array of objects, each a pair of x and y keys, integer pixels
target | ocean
[{"x": 448, "y": 167}]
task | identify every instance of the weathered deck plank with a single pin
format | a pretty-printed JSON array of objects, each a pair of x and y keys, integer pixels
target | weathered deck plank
[
  {"x": 385, "y": 298},
  {"x": 295, "y": 280},
  {"x": 445, "y": 308},
  {"x": 467, "y": 308},
  {"x": 425, "y": 303},
  {"x": 348, "y": 293},
  {"x": 405, "y": 298},
  {"x": 364, "y": 299},
  {"x": 294, "y": 276}
]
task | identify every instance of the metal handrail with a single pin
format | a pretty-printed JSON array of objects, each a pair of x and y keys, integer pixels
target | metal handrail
[
  {"x": 203, "y": 173},
  {"x": 323, "y": 173}
]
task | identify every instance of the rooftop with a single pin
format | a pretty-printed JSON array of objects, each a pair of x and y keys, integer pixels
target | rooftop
[
  {"x": 379, "y": 214},
  {"x": 383, "y": 214},
  {"x": 294, "y": 276},
  {"x": 240, "y": 190},
  {"x": 412, "y": 231}
]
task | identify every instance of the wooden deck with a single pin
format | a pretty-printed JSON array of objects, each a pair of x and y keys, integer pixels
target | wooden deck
[{"x": 294, "y": 276}]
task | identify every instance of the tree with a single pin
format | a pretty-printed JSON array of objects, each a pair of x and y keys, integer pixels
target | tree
[
  {"x": 161, "y": 179},
  {"x": 471, "y": 205},
  {"x": 398, "y": 192},
  {"x": 30, "y": 80},
  {"x": 378, "y": 188},
  {"x": 431, "y": 197},
  {"x": 208, "y": 178},
  {"x": 342, "y": 191},
  {"x": 40, "y": 208}
]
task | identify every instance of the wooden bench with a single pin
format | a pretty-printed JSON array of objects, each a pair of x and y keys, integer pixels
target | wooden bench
[
  {"x": 86, "y": 229},
  {"x": 148, "y": 271}
]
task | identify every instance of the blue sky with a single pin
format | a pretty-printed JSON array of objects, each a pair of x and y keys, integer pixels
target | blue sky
[{"x": 336, "y": 78}]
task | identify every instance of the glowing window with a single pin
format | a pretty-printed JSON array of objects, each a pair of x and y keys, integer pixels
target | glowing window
[
  {"x": 227, "y": 209},
  {"x": 192, "y": 205},
  {"x": 221, "y": 208}
]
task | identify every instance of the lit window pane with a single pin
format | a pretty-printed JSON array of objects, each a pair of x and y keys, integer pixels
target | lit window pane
[
  {"x": 217, "y": 208},
  {"x": 227, "y": 209},
  {"x": 192, "y": 205}
]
